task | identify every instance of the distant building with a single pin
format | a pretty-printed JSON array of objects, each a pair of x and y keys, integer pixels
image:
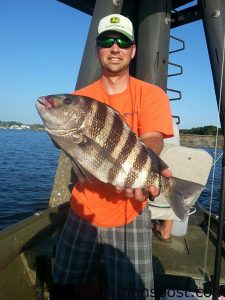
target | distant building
[
  {"x": 25, "y": 127},
  {"x": 19, "y": 127}
]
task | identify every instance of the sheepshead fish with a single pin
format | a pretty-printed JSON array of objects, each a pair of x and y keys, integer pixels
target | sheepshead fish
[{"x": 100, "y": 144}]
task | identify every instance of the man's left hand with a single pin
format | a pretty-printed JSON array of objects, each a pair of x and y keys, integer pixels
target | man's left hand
[{"x": 140, "y": 194}]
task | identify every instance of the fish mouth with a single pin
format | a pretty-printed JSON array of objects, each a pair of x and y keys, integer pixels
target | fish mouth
[{"x": 47, "y": 102}]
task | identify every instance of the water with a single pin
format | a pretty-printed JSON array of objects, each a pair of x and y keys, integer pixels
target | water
[
  {"x": 28, "y": 162},
  {"x": 213, "y": 190}
]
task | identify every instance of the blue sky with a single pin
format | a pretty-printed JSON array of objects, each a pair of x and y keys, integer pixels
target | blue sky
[{"x": 41, "y": 49}]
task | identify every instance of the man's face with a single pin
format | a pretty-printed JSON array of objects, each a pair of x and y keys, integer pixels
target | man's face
[{"x": 115, "y": 60}]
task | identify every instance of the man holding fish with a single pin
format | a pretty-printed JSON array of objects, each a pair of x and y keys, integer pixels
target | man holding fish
[{"x": 109, "y": 217}]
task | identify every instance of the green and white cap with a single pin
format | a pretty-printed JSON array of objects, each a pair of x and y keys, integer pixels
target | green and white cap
[{"x": 118, "y": 23}]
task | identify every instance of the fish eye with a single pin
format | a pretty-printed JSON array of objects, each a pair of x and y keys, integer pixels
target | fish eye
[{"x": 67, "y": 100}]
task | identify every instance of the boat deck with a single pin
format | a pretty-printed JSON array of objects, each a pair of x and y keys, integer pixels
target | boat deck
[
  {"x": 178, "y": 264},
  {"x": 185, "y": 257}
]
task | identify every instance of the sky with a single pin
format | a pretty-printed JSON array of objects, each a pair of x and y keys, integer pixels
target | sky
[{"x": 42, "y": 43}]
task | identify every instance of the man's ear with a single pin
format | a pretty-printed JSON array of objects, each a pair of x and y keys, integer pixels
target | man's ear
[{"x": 133, "y": 51}]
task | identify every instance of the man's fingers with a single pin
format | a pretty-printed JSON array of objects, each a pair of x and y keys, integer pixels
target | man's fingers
[
  {"x": 166, "y": 173},
  {"x": 138, "y": 195},
  {"x": 119, "y": 189},
  {"x": 153, "y": 191},
  {"x": 129, "y": 193}
]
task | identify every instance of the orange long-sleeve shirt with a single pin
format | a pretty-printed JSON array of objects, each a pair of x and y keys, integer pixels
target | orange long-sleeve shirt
[{"x": 145, "y": 108}]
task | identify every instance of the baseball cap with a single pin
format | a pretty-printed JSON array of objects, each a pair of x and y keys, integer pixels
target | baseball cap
[{"x": 118, "y": 23}]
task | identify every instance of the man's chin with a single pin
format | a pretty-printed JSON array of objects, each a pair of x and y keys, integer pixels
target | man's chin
[{"x": 116, "y": 69}]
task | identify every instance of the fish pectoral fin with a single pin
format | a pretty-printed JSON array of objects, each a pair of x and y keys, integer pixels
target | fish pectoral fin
[
  {"x": 178, "y": 192},
  {"x": 81, "y": 173}
]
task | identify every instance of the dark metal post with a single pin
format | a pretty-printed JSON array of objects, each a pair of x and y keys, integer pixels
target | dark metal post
[
  {"x": 89, "y": 72},
  {"x": 153, "y": 41},
  {"x": 213, "y": 16},
  {"x": 214, "y": 25}
]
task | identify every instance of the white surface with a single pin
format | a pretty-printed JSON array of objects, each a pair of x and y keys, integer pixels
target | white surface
[{"x": 185, "y": 163}]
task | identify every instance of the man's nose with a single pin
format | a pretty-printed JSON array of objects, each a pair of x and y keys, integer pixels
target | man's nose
[{"x": 115, "y": 47}]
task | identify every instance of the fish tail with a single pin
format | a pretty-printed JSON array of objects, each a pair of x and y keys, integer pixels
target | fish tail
[{"x": 179, "y": 190}]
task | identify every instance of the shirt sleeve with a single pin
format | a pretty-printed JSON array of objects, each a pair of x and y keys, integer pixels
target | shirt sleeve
[{"x": 155, "y": 112}]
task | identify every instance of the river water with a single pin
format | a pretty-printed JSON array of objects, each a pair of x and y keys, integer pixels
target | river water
[{"x": 28, "y": 162}]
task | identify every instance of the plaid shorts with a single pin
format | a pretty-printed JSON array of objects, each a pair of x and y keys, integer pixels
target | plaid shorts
[{"x": 126, "y": 252}]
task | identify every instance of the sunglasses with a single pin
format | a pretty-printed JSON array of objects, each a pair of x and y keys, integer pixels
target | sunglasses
[{"x": 108, "y": 42}]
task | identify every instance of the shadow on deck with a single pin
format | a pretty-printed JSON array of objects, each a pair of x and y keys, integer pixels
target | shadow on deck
[{"x": 183, "y": 263}]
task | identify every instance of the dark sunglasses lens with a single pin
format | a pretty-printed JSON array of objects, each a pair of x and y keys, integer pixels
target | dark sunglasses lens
[
  {"x": 107, "y": 43},
  {"x": 123, "y": 44}
]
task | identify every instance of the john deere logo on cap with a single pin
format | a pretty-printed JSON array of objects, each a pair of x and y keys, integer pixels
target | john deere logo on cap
[{"x": 115, "y": 20}]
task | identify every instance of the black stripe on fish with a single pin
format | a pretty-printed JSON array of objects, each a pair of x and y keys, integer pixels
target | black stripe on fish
[
  {"x": 112, "y": 135},
  {"x": 99, "y": 120},
  {"x": 123, "y": 155},
  {"x": 96, "y": 154},
  {"x": 115, "y": 133},
  {"x": 84, "y": 102},
  {"x": 137, "y": 167}
]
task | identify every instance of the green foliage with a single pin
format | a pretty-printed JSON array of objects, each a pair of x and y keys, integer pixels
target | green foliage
[
  {"x": 37, "y": 127},
  {"x": 206, "y": 130},
  {"x": 9, "y": 123}
]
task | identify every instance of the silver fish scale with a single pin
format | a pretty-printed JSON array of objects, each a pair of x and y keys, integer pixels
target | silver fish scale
[{"x": 115, "y": 155}]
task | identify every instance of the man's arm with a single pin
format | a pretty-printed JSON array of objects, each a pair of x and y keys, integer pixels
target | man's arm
[{"x": 153, "y": 140}]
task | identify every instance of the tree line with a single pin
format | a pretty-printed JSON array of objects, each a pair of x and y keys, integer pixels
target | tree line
[{"x": 205, "y": 130}]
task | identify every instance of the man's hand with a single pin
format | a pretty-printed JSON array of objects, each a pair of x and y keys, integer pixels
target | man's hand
[
  {"x": 153, "y": 140},
  {"x": 140, "y": 194},
  {"x": 137, "y": 194}
]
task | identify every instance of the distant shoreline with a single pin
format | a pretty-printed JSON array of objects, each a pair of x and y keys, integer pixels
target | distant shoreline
[
  {"x": 187, "y": 140},
  {"x": 199, "y": 141},
  {"x": 23, "y": 129}
]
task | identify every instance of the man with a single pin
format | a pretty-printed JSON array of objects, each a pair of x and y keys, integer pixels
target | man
[{"x": 104, "y": 221}]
